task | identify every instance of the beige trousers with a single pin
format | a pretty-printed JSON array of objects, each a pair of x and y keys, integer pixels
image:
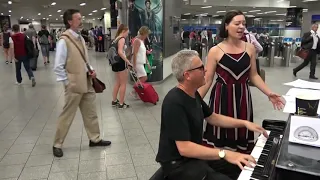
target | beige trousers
[{"x": 87, "y": 105}]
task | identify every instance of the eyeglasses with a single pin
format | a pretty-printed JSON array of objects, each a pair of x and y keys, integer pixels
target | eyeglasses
[{"x": 200, "y": 68}]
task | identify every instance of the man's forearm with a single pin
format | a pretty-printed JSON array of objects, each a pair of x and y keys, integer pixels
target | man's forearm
[
  {"x": 193, "y": 150},
  {"x": 225, "y": 121}
]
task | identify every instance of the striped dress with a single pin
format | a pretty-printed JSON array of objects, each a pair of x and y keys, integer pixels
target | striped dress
[{"x": 231, "y": 96}]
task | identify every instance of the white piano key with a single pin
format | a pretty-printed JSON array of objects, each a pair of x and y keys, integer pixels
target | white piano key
[
  {"x": 245, "y": 175},
  {"x": 260, "y": 143},
  {"x": 256, "y": 152},
  {"x": 262, "y": 136}
]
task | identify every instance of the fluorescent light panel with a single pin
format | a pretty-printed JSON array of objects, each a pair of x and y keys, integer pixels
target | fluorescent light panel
[
  {"x": 221, "y": 11},
  {"x": 82, "y": 4},
  {"x": 205, "y": 7},
  {"x": 255, "y": 10},
  {"x": 53, "y": 3}
]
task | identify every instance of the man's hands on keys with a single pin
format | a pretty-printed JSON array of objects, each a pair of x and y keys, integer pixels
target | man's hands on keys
[
  {"x": 256, "y": 128},
  {"x": 240, "y": 159}
]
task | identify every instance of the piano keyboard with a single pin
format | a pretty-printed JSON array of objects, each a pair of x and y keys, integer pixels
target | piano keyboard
[{"x": 264, "y": 153}]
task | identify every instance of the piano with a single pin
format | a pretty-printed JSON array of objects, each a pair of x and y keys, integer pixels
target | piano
[{"x": 277, "y": 159}]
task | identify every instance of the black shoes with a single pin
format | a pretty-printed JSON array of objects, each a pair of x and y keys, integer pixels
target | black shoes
[
  {"x": 313, "y": 77},
  {"x": 294, "y": 73},
  {"x": 100, "y": 143},
  {"x": 57, "y": 152}
]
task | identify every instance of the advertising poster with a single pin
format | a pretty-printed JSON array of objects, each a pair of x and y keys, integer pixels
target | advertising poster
[
  {"x": 294, "y": 17},
  {"x": 149, "y": 13}
]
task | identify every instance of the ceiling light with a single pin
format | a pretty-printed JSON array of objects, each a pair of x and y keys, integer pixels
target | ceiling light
[
  {"x": 9, "y": 10},
  {"x": 39, "y": 14},
  {"x": 50, "y": 15},
  {"x": 255, "y": 10},
  {"x": 205, "y": 7},
  {"x": 250, "y": 15},
  {"x": 284, "y": 14},
  {"x": 61, "y": 15},
  {"x": 83, "y": 16},
  {"x": 54, "y": 3},
  {"x": 9, "y": 2},
  {"x": 56, "y": 19},
  {"x": 260, "y": 13},
  {"x": 43, "y": 18},
  {"x": 82, "y": 4},
  {"x": 244, "y": 12},
  {"x": 9, "y": 14},
  {"x": 103, "y": 9},
  {"x": 292, "y": 6},
  {"x": 267, "y": 12},
  {"x": 47, "y": 18},
  {"x": 309, "y": 0},
  {"x": 221, "y": 11},
  {"x": 32, "y": 19},
  {"x": 1, "y": 13},
  {"x": 94, "y": 10},
  {"x": 305, "y": 10},
  {"x": 93, "y": 19},
  {"x": 59, "y": 10},
  {"x": 187, "y": 14},
  {"x": 27, "y": 19},
  {"x": 90, "y": 14},
  {"x": 21, "y": 17}
]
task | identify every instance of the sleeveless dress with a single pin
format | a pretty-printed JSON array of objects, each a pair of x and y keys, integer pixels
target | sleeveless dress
[{"x": 231, "y": 96}]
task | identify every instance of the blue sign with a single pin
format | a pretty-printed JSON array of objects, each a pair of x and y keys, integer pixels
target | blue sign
[
  {"x": 287, "y": 39},
  {"x": 315, "y": 18},
  {"x": 298, "y": 39}
]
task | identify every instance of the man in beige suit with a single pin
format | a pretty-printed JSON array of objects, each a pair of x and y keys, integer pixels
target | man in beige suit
[{"x": 70, "y": 68}]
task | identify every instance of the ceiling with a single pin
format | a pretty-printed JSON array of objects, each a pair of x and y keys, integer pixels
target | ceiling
[
  {"x": 43, "y": 9},
  {"x": 249, "y": 10}
]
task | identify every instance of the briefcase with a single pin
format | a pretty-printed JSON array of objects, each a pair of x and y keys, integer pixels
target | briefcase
[{"x": 303, "y": 53}]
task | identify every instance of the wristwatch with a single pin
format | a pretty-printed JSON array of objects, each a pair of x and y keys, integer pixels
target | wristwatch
[{"x": 222, "y": 154}]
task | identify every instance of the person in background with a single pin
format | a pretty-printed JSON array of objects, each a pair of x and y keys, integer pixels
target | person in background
[
  {"x": 6, "y": 45},
  {"x": 17, "y": 42},
  {"x": 120, "y": 69},
  {"x": 140, "y": 56},
  {"x": 71, "y": 69},
  {"x": 101, "y": 38},
  {"x": 43, "y": 38},
  {"x": 32, "y": 34},
  {"x": 310, "y": 41},
  {"x": 181, "y": 153},
  {"x": 234, "y": 62},
  {"x": 91, "y": 38}
]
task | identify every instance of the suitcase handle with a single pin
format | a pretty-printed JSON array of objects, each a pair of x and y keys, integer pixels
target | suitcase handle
[{"x": 135, "y": 78}]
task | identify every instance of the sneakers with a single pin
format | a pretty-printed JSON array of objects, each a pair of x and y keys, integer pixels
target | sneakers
[
  {"x": 17, "y": 83},
  {"x": 33, "y": 82},
  {"x": 123, "y": 106},
  {"x": 115, "y": 103}
]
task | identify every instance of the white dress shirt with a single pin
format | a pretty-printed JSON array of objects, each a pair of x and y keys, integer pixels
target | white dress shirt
[
  {"x": 315, "y": 39},
  {"x": 61, "y": 58}
]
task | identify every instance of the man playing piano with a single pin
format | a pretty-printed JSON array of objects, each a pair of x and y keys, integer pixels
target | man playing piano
[{"x": 181, "y": 155}]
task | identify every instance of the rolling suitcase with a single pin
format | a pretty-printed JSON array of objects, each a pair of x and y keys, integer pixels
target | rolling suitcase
[
  {"x": 145, "y": 91},
  {"x": 34, "y": 61}
]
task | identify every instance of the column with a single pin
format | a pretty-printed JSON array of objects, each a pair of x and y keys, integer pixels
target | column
[
  {"x": 148, "y": 13},
  {"x": 293, "y": 23}
]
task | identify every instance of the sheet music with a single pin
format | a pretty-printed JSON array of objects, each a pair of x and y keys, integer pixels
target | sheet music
[
  {"x": 303, "y": 84},
  {"x": 291, "y": 95}
]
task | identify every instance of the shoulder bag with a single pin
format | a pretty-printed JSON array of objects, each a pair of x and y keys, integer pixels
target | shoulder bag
[{"x": 97, "y": 85}]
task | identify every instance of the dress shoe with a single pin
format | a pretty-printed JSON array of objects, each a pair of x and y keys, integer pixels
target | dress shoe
[
  {"x": 57, "y": 152},
  {"x": 294, "y": 73},
  {"x": 312, "y": 77},
  {"x": 100, "y": 143}
]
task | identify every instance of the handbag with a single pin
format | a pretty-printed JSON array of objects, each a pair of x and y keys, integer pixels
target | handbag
[
  {"x": 303, "y": 53},
  {"x": 97, "y": 85}
]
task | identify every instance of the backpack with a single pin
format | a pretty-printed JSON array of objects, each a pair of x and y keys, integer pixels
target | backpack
[
  {"x": 28, "y": 43},
  {"x": 112, "y": 54},
  {"x": 43, "y": 39}
]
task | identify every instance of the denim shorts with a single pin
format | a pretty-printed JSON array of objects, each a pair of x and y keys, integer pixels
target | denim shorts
[{"x": 45, "y": 49}]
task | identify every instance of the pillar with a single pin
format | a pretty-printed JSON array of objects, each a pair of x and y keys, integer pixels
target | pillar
[{"x": 293, "y": 23}]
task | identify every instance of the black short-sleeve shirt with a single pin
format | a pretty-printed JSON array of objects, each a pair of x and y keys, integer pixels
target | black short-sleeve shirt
[{"x": 181, "y": 120}]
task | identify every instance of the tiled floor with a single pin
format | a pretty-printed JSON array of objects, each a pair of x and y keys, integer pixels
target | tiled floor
[{"x": 28, "y": 119}]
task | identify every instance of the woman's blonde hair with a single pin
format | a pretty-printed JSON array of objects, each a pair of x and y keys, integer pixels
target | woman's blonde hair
[{"x": 144, "y": 30}]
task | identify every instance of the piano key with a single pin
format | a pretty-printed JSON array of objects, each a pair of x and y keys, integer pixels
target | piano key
[
  {"x": 245, "y": 175},
  {"x": 256, "y": 152}
]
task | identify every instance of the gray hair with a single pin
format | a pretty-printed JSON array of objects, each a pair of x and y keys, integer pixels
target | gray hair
[{"x": 182, "y": 62}]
